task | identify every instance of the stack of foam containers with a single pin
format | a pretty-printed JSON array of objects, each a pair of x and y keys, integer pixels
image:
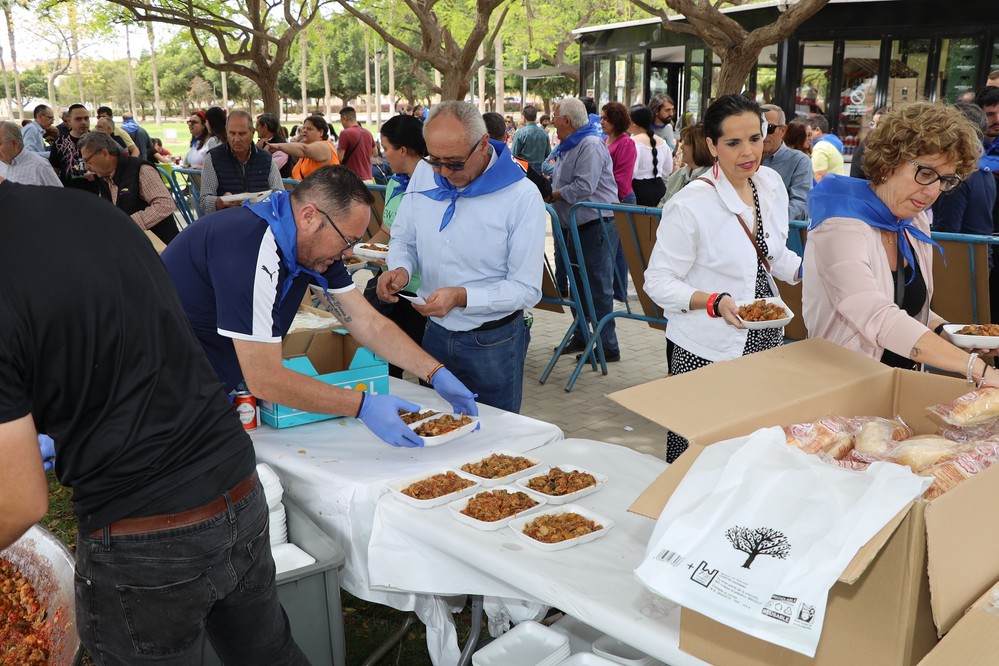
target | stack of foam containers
[
  {"x": 527, "y": 644},
  {"x": 287, "y": 556}
]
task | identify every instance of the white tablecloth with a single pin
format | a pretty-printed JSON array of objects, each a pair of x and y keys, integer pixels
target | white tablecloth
[
  {"x": 337, "y": 470},
  {"x": 428, "y": 551}
]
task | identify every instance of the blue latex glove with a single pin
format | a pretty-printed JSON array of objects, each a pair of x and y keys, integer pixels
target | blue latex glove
[
  {"x": 47, "y": 447},
  {"x": 451, "y": 389},
  {"x": 381, "y": 414}
]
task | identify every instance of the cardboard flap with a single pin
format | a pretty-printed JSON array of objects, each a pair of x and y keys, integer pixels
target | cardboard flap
[
  {"x": 975, "y": 640},
  {"x": 963, "y": 559},
  {"x": 326, "y": 352},
  {"x": 858, "y": 565},
  {"x": 732, "y": 390}
]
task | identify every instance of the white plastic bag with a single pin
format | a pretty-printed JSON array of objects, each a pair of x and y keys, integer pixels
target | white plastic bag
[{"x": 757, "y": 532}]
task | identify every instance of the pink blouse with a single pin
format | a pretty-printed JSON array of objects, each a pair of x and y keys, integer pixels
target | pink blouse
[{"x": 623, "y": 155}]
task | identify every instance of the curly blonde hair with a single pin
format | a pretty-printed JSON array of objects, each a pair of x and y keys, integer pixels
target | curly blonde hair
[{"x": 919, "y": 129}]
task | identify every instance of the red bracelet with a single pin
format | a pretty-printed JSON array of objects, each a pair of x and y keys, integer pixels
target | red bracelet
[{"x": 711, "y": 305}]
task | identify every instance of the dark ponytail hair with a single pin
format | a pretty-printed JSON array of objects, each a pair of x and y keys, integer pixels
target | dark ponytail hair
[
  {"x": 405, "y": 132},
  {"x": 641, "y": 115}
]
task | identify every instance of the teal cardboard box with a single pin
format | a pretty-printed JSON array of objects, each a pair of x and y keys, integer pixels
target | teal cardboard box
[{"x": 332, "y": 357}]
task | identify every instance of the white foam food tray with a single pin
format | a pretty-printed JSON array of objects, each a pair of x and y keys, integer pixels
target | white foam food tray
[
  {"x": 617, "y": 652},
  {"x": 527, "y": 644},
  {"x": 509, "y": 478},
  {"x": 448, "y": 436},
  {"x": 396, "y": 487},
  {"x": 366, "y": 252},
  {"x": 457, "y": 506},
  {"x": 562, "y": 499},
  {"x": 970, "y": 341},
  {"x": 518, "y": 524},
  {"x": 776, "y": 323}
]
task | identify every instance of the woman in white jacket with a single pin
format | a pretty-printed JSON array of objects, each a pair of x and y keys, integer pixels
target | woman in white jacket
[{"x": 722, "y": 239}]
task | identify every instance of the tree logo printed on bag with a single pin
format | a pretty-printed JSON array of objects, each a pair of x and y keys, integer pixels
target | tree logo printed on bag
[{"x": 758, "y": 541}]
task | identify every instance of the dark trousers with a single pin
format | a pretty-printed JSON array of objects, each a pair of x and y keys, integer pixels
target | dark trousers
[
  {"x": 151, "y": 598},
  {"x": 401, "y": 313},
  {"x": 599, "y": 258}
]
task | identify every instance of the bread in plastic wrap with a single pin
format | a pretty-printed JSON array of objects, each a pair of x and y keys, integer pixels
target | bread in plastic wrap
[
  {"x": 878, "y": 435},
  {"x": 923, "y": 451},
  {"x": 969, "y": 409},
  {"x": 832, "y": 434},
  {"x": 966, "y": 464}
]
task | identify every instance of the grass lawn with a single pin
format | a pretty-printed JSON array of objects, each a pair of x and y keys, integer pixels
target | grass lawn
[{"x": 366, "y": 625}]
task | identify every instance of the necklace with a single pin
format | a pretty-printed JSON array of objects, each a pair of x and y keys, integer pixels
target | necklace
[{"x": 888, "y": 237}]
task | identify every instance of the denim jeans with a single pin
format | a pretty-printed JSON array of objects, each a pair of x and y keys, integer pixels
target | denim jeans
[
  {"x": 490, "y": 363},
  {"x": 621, "y": 263},
  {"x": 599, "y": 258},
  {"x": 151, "y": 598}
]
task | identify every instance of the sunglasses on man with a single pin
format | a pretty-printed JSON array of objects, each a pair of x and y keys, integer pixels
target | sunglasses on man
[{"x": 773, "y": 128}]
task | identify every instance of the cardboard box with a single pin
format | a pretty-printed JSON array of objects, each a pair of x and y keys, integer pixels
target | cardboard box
[
  {"x": 332, "y": 357},
  {"x": 908, "y": 585},
  {"x": 973, "y": 640}
]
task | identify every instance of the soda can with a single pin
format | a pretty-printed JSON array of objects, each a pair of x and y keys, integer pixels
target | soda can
[{"x": 246, "y": 407}]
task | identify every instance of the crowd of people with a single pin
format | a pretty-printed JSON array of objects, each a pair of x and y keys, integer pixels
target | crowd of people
[{"x": 124, "y": 383}]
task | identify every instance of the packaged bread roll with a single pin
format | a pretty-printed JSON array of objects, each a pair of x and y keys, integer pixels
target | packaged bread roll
[
  {"x": 827, "y": 434},
  {"x": 962, "y": 467},
  {"x": 922, "y": 451},
  {"x": 878, "y": 435},
  {"x": 971, "y": 408}
]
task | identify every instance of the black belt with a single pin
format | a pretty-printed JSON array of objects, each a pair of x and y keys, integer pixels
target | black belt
[{"x": 490, "y": 325}]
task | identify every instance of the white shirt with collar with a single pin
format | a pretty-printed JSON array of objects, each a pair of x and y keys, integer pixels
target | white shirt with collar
[
  {"x": 30, "y": 168},
  {"x": 701, "y": 247},
  {"x": 493, "y": 247}
]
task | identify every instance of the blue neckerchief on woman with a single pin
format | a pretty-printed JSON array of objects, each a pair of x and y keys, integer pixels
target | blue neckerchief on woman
[{"x": 842, "y": 196}]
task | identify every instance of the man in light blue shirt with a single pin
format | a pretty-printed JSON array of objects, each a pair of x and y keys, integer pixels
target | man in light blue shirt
[
  {"x": 584, "y": 172},
  {"x": 33, "y": 134},
  {"x": 473, "y": 226},
  {"x": 23, "y": 166},
  {"x": 794, "y": 166}
]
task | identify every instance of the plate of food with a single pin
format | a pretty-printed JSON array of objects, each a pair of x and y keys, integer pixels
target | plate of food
[
  {"x": 764, "y": 313},
  {"x": 500, "y": 467},
  {"x": 433, "y": 488},
  {"x": 562, "y": 527},
  {"x": 974, "y": 336},
  {"x": 371, "y": 251},
  {"x": 252, "y": 197},
  {"x": 492, "y": 509},
  {"x": 563, "y": 483},
  {"x": 441, "y": 428},
  {"x": 354, "y": 264},
  {"x": 409, "y": 418}
]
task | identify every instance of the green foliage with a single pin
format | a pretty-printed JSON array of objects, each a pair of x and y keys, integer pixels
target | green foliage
[{"x": 33, "y": 85}]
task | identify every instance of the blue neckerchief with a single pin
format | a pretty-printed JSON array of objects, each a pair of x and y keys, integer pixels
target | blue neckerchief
[
  {"x": 831, "y": 138},
  {"x": 842, "y": 196},
  {"x": 130, "y": 125},
  {"x": 571, "y": 141},
  {"x": 503, "y": 173},
  {"x": 990, "y": 160},
  {"x": 401, "y": 183},
  {"x": 276, "y": 211}
]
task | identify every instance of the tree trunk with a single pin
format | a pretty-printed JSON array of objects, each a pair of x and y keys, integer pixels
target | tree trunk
[
  {"x": 6, "y": 84},
  {"x": 752, "y": 556},
  {"x": 131, "y": 72},
  {"x": 367, "y": 76},
  {"x": 303, "y": 44},
  {"x": 454, "y": 84},
  {"x": 53, "y": 102},
  {"x": 480, "y": 54},
  {"x": 498, "y": 61},
  {"x": 155, "y": 73},
  {"x": 269, "y": 93},
  {"x": 75, "y": 51},
  {"x": 736, "y": 64},
  {"x": 327, "y": 102},
  {"x": 378, "y": 87},
  {"x": 13, "y": 60},
  {"x": 391, "y": 77},
  {"x": 225, "y": 91}
]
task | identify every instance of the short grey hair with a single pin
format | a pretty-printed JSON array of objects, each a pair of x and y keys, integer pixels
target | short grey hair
[
  {"x": 105, "y": 120},
  {"x": 467, "y": 114},
  {"x": 11, "y": 133},
  {"x": 781, "y": 116},
  {"x": 240, "y": 113},
  {"x": 97, "y": 141},
  {"x": 334, "y": 187},
  {"x": 573, "y": 109}
]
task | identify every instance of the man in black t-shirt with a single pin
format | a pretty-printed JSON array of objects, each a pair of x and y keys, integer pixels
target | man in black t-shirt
[{"x": 172, "y": 521}]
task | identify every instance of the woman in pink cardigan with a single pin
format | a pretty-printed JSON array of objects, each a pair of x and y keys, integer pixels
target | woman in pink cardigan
[{"x": 867, "y": 274}]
